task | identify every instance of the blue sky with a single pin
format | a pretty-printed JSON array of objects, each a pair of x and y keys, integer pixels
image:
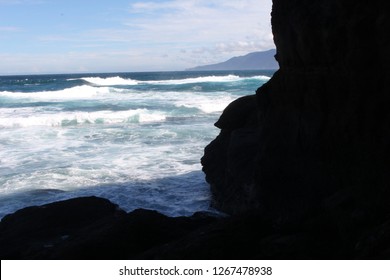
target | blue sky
[{"x": 68, "y": 36}]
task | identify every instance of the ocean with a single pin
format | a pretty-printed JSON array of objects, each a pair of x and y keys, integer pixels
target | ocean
[{"x": 133, "y": 138}]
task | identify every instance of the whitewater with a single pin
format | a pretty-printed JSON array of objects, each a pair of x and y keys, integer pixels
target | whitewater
[{"x": 133, "y": 138}]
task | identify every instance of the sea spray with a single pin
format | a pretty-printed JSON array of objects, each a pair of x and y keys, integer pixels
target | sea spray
[{"x": 134, "y": 138}]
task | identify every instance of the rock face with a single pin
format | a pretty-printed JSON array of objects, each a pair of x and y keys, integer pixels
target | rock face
[
  {"x": 315, "y": 139},
  {"x": 89, "y": 228}
]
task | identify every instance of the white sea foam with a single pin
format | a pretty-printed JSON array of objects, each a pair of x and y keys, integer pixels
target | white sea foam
[
  {"x": 136, "y": 167},
  {"x": 11, "y": 118},
  {"x": 74, "y": 93},
  {"x": 206, "y": 79},
  {"x": 119, "y": 138},
  {"x": 212, "y": 104},
  {"x": 113, "y": 81},
  {"x": 262, "y": 78}
]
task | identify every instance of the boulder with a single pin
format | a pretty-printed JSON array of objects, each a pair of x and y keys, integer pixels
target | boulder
[{"x": 89, "y": 228}]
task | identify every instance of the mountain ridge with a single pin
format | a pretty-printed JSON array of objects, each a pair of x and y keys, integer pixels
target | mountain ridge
[{"x": 262, "y": 60}]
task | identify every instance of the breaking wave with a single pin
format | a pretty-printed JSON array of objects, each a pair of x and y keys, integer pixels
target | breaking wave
[{"x": 117, "y": 81}]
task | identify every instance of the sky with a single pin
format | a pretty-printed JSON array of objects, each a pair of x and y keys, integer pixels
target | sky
[{"x": 80, "y": 36}]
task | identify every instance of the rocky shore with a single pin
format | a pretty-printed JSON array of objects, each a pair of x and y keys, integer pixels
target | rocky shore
[{"x": 300, "y": 167}]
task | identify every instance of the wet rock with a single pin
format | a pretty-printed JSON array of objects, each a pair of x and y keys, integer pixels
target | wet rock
[{"x": 89, "y": 228}]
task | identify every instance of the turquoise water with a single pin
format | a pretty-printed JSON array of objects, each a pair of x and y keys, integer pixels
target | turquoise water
[{"x": 134, "y": 138}]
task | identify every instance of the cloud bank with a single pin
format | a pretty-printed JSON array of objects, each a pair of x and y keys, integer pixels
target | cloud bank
[{"x": 136, "y": 36}]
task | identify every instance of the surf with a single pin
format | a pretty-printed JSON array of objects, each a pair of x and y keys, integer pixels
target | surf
[
  {"x": 117, "y": 81},
  {"x": 134, "y": 138}
]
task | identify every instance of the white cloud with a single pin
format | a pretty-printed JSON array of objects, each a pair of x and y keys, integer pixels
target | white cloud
[
  {"x": 153, "y": 35},
  {"x": 213, "y": 28},
  {"x": 201, "y": 20}
]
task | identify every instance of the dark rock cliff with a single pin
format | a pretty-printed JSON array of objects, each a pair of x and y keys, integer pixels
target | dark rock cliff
[
  {"x": 313, "y": 143},
  {"x": 320, "y": 125},
  {"x": 302, "y": 165}
]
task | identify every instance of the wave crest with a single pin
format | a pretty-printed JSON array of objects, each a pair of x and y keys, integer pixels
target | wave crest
[
  {"x": 74, "y": 93},
  {"x": 118, "y": 81},
  {"x": 111, "y": 81},
  {"x": 83, "y": 118}
]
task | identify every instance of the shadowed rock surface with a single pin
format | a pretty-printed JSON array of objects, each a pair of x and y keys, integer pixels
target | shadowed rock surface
[
  {"x": 301, "y": 166},
  {"x": 318, "y": 148},
  {"x": 89, "y": 228},
  {"x": 94, "y": 228}
]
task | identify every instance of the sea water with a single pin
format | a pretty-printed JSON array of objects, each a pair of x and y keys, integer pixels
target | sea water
[{"x": 133, "y": 138}]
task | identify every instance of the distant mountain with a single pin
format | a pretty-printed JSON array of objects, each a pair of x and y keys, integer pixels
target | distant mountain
[{"x": 252, "y": 61}]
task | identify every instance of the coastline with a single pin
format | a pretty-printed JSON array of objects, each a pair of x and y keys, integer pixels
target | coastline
[
  {"x": 133, "y": 138},
  {"x": 315, "y": 138}
]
